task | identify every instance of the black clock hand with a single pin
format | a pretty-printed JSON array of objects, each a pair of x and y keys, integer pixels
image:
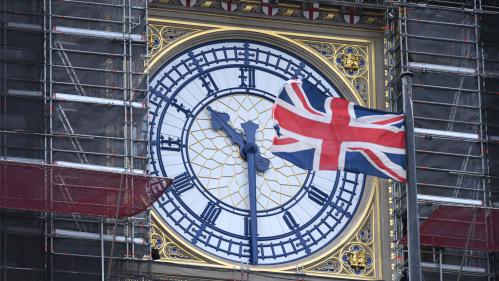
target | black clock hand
[
  {"x": 219, "y": 121},
  {"x": 251, "y": 149}
]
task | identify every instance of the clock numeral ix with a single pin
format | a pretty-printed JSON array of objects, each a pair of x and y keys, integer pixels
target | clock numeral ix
[
  {"x": 317, "y": 195},
  {"x": 170, "y": 144},
  {"x": 182, "y": 183}
]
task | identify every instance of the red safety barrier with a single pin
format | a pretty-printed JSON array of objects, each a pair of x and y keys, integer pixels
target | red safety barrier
[
  {"x": 41, "y": 187},
  {"x": 473, "y": 228}
]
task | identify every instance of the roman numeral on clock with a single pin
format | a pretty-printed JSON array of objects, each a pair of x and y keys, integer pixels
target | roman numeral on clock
[
  {"x": 209, "y": 216},
  {"x": 247, "y": 77},
  {"x": 290, "y": 221},
  {"x": 208, "y": 83},
  {"x": 170, "y": 144},
  {"x": 211, "y": 213},
  {"x": 317, "y": 195},
  {"x": 182, "y": 183}
]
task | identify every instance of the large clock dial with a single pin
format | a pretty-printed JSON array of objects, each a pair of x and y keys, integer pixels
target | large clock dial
[{"x": 198, "y": 102}]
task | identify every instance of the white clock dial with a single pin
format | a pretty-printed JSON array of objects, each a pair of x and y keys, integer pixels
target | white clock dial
[{"x": 298, "y": 213}]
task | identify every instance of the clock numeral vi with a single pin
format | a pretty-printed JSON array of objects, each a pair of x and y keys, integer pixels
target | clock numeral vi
[
  {"x": 247, "y": 226},
  {"x": 317, "y": 195},
  {"x": 247, "y": 77},
  {"x": 289, "y": 220},
  {"x": 211, "y": 213},
  {"x": 182, "y": 183}
]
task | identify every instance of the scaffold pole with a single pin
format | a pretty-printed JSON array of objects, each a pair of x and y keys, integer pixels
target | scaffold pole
[{"x": 413, "y": 240}]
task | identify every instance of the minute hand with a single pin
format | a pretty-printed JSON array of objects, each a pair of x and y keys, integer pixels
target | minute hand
[{"x": 250, "y": 148}]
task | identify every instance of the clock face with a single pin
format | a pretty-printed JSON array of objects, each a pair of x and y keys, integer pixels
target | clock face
[{"x": 298, "y": 212}]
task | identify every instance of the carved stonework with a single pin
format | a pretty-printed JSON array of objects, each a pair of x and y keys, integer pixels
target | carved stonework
[
  {"x": 160, "y": 36},
  {"x": 332, "y": 265},
  {"x": 350, "y": 60},
  {"x": 168, "y": 249},
  {"x": 355, "y": 258},
  {"x": 323, "y": 13}
]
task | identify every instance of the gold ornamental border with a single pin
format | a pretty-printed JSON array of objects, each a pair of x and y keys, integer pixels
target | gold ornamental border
[
  {"x": 370, "y": 211},
  {"x": 194, "y": 33}
]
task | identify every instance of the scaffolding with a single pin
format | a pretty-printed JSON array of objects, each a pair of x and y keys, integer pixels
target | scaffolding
[
  {"x": 73, "y": 92},
  {"x": 450, "y": 49}
]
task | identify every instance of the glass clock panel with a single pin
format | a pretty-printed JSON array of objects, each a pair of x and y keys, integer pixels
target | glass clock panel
[{"x": 298, "y": 212}]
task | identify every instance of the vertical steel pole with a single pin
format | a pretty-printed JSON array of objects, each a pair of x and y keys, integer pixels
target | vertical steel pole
[
  {"x": 102, "y": 249},
  {"x": 411, "y": 190},
  {"x": 440, "y": 265}
]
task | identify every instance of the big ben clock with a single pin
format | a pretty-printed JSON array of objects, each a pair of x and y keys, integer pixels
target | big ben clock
[{"x": 202, "y": 105}]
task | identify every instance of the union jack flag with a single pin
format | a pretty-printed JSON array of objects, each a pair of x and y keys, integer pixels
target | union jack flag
[{"x": 318, "y": 132}]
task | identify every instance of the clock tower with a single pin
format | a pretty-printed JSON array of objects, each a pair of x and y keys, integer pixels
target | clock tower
[{"x": 235, "y": 208}]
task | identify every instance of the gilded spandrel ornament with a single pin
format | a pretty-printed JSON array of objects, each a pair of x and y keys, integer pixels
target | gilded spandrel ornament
[
  {"x": 168, "y": 249},
  {"x": 358, "y": 259},
  {"x": 161, "y": 36},
  {"x": 365, "y": 235},
  {"x": 332, "y": 265},
  {"x": 351, "y": 60}
]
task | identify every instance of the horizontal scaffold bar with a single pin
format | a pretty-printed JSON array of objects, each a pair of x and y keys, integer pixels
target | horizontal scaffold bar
[
  {"x": 98, "y": 33},
  {"x": 452, "y": 200},
  {"x": 96, "y": 100}
]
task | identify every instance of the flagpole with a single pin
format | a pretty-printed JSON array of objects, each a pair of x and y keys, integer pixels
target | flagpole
[{"x": 413, "y": 240}]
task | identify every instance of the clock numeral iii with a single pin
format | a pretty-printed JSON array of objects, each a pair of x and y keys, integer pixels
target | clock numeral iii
[
  {"x": 317, "y": 195},
  {"x": 211, "y": 213},
  {"x": 182, "y": 183}
]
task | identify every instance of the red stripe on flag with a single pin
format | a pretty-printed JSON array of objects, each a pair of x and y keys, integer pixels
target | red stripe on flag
[
  {"x": 388, "y": 121},
  {"x": 379, "y": 162},
  {"x": 282, "y": 141},
  {"x": 302, "y": 98}
]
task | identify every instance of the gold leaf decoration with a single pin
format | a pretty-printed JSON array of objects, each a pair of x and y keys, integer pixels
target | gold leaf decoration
[
  {"x": 351, "y": 60},
  {"x": 355, "y": 258}
]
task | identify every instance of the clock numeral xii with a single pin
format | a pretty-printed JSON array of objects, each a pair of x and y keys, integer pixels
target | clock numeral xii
[{"x": 247, "y": 76}]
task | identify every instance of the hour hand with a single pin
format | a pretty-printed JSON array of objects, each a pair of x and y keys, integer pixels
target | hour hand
[{"x": 219, "y": 121}]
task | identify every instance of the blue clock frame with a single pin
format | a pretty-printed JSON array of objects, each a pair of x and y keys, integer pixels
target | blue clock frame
[{"x": 334, "y": 195}]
